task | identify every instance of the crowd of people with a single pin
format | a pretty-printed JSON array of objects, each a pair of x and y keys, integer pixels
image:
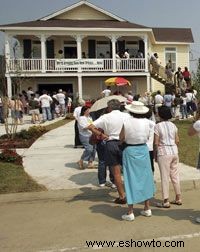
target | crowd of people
[
  {"x": 127, "y": 139},
  {"x": 41, "y": 107}
]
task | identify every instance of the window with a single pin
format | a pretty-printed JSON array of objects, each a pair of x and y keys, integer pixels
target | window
[
  {"x": 133, "y": 47},
  {"x": 103, "y": 49},
  {"x": 36, "y": 49},
  {"x": 170, "y": 54}
]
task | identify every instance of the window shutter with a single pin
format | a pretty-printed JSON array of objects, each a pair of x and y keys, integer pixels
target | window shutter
[
  {"x": 50, "y": 49},
  {"x": 121, "y": 46},
  {"x": 91, "y": 48},
  {"x": 27, "y": 48},
  {"x": 110, "y": 49}
]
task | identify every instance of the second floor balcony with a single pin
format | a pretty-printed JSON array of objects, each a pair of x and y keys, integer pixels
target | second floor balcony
[{"x": 76, "y": 65}]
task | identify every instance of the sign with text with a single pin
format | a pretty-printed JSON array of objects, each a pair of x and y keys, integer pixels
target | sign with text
[{"x": 75, "y": 63}]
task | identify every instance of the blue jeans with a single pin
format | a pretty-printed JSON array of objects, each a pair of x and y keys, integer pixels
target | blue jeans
[
  {"x": 183, "y": 110},
  {"x": 90, "y": 150},
  {"x": 46, "y": 113},
  {"x": 102, "y": 164}
]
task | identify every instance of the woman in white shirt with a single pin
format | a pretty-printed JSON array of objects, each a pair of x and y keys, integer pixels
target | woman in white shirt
[
  {"x": 89, "y": 150},
  {"x": 138, "y": 177}
]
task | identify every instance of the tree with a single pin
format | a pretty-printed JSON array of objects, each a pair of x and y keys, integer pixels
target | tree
[{"x": 196, "y": 80}]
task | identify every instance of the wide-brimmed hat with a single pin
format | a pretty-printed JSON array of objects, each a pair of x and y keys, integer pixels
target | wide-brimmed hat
[{"x": 137, "y": 107}]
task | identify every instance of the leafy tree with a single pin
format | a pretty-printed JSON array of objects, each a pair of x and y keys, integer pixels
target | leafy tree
[{"x": 196, "y": 80}]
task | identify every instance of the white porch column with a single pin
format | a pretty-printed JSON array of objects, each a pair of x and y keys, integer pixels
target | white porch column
[
  {"x": 43, "y": 52},
  {"x": 7, "y": 51},
  {"x": 149, "y": 87},
  {"x": 79, "y": 39},
  {"x": 80, "y": 87},
  {"x": 145, "y": 39},
  {"x": 113, "y": 40},
  {"x": 9, "y": 87}
]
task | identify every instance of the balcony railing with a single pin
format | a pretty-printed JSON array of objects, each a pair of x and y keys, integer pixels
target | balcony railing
[{"x": 76, "y": 65}]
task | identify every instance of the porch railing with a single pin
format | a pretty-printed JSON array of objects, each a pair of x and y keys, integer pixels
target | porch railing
[{"x": 76, "y": 65}]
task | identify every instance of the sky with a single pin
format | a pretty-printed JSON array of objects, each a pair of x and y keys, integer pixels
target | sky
[{"x": 152, "y": 13}]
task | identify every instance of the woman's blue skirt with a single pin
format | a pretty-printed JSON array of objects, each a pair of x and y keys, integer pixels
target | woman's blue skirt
[{"x": 138, "y": 176}]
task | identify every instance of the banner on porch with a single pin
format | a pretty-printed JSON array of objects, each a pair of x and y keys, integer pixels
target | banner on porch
[{"x": 75, "y": 63}]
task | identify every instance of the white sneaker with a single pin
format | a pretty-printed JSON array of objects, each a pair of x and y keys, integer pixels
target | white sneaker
[
  {"x": 102, "y": 185},
  {"x": 197, "y": 220},
  {"x": 128, "y": 217},
  {"x": 113, "y": 186},
  {"x": 146, "y": 213}
]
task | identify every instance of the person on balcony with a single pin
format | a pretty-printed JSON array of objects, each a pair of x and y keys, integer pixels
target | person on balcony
[
  {"x": 139, "y": 54},
  {"x": 126, "y": 54}
]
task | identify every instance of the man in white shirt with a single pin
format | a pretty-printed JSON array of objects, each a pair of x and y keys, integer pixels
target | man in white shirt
[
  {"x": 112, "y": 124},
  {"x": 61, "y": 99},
  {"x": 106, "y": 92},
  {"x": 45, "y": 101}
]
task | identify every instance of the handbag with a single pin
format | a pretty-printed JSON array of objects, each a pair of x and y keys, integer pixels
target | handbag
[{"x": 95, "y": 139}]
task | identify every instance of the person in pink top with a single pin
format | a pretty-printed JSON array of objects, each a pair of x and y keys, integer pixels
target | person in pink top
[{"x": 166, "y": 154}]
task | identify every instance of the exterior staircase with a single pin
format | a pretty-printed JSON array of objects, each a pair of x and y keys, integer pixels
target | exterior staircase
[{"x": 161, "y": 77}]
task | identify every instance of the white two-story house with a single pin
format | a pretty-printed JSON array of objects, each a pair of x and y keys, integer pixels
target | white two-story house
[{"x": 75, "y": 49}]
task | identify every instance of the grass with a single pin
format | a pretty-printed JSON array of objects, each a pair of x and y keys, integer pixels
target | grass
[
  {"x": 14, "y": 179},
  {"x": 189, "y": 146},
  {"x": 58, "y": 123}
]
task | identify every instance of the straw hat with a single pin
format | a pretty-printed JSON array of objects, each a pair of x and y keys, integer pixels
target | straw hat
[{"x": 137, "y": 107}]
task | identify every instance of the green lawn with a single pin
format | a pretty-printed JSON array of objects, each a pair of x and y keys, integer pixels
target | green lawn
[
  {"x": 13, "y": 179},
  {"x": 189, "y": 146}
]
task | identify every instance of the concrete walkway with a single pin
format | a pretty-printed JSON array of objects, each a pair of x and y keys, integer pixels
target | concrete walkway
[
  {"x": 67, "y": 220},
  {"x": 52, "y": 161}
]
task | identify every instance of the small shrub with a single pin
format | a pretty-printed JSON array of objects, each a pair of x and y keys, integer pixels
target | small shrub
[
  {"x": 10, "y": 156},
  {"x": 32, "y": 132}
]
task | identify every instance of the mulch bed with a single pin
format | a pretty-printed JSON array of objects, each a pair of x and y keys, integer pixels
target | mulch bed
[{"x": 8, "y": 143}]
